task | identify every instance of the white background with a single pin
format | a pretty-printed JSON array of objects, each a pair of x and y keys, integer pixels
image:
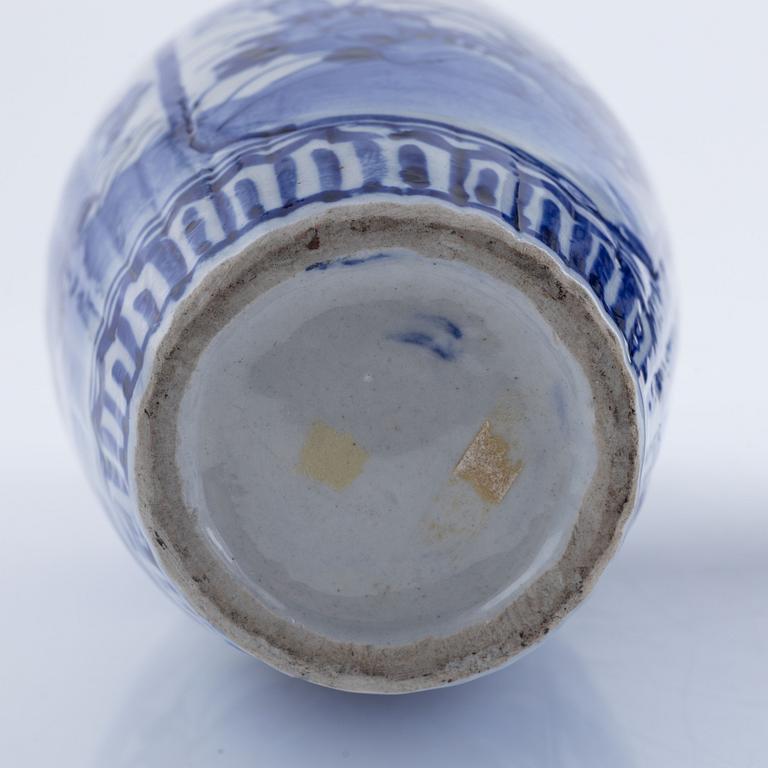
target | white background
[{"x": 666, "y": 665}]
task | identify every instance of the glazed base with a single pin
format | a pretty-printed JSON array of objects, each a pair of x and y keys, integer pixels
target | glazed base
[{"x": 387, "y": 447}]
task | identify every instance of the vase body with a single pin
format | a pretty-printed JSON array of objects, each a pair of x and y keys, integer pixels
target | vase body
[{"x": 279, "y": 163}]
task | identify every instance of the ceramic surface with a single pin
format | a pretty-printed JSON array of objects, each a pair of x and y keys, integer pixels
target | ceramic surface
[{"x": 267, "y": 112}]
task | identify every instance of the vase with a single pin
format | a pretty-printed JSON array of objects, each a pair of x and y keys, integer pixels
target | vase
[{"x": 361, "y": 319}]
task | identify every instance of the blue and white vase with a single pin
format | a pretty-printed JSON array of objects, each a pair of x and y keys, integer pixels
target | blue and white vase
[{"x": 362, "y": 322}]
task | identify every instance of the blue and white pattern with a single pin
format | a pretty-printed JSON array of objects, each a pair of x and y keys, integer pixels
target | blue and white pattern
[{"x": 269, "y": 107}]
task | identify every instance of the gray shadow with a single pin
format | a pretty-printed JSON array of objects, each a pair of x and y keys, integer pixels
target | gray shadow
[{"x": 198, "y": 702}]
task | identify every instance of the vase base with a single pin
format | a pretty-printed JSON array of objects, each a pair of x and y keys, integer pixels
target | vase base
[{"x": 387, "y": 446}]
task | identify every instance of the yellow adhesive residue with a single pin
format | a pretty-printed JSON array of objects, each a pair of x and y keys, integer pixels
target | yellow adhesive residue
[
  {"x": 330, "y": 457},
  {"x": 486, "y": 465}
]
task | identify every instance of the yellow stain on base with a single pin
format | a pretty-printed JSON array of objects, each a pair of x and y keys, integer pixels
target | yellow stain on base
[
  {"x": 330, "y": 457},
  {"x": 486, "y": 465}
]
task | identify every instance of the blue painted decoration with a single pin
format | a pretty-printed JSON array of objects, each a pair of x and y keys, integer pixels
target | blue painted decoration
[{"x": 266, "y": 108}]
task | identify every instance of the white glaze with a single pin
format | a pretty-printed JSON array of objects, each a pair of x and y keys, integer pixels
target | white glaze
[{"x": 407, "y": 549}]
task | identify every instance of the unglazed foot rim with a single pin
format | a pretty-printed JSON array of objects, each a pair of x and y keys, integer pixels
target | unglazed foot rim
[{"x": 338, "y": 655}]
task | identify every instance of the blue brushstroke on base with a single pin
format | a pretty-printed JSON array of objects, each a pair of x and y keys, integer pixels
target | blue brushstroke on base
[
  {"x": 424, "y": 340},
  {"x": 348, "y": 261}
]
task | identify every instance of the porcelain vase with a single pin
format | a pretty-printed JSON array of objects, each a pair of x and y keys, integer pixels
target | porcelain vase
[{"x": 361, "y": 318}]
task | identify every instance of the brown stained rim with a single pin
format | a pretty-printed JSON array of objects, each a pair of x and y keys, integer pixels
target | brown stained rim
[{"x": 435, "y": 230}]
